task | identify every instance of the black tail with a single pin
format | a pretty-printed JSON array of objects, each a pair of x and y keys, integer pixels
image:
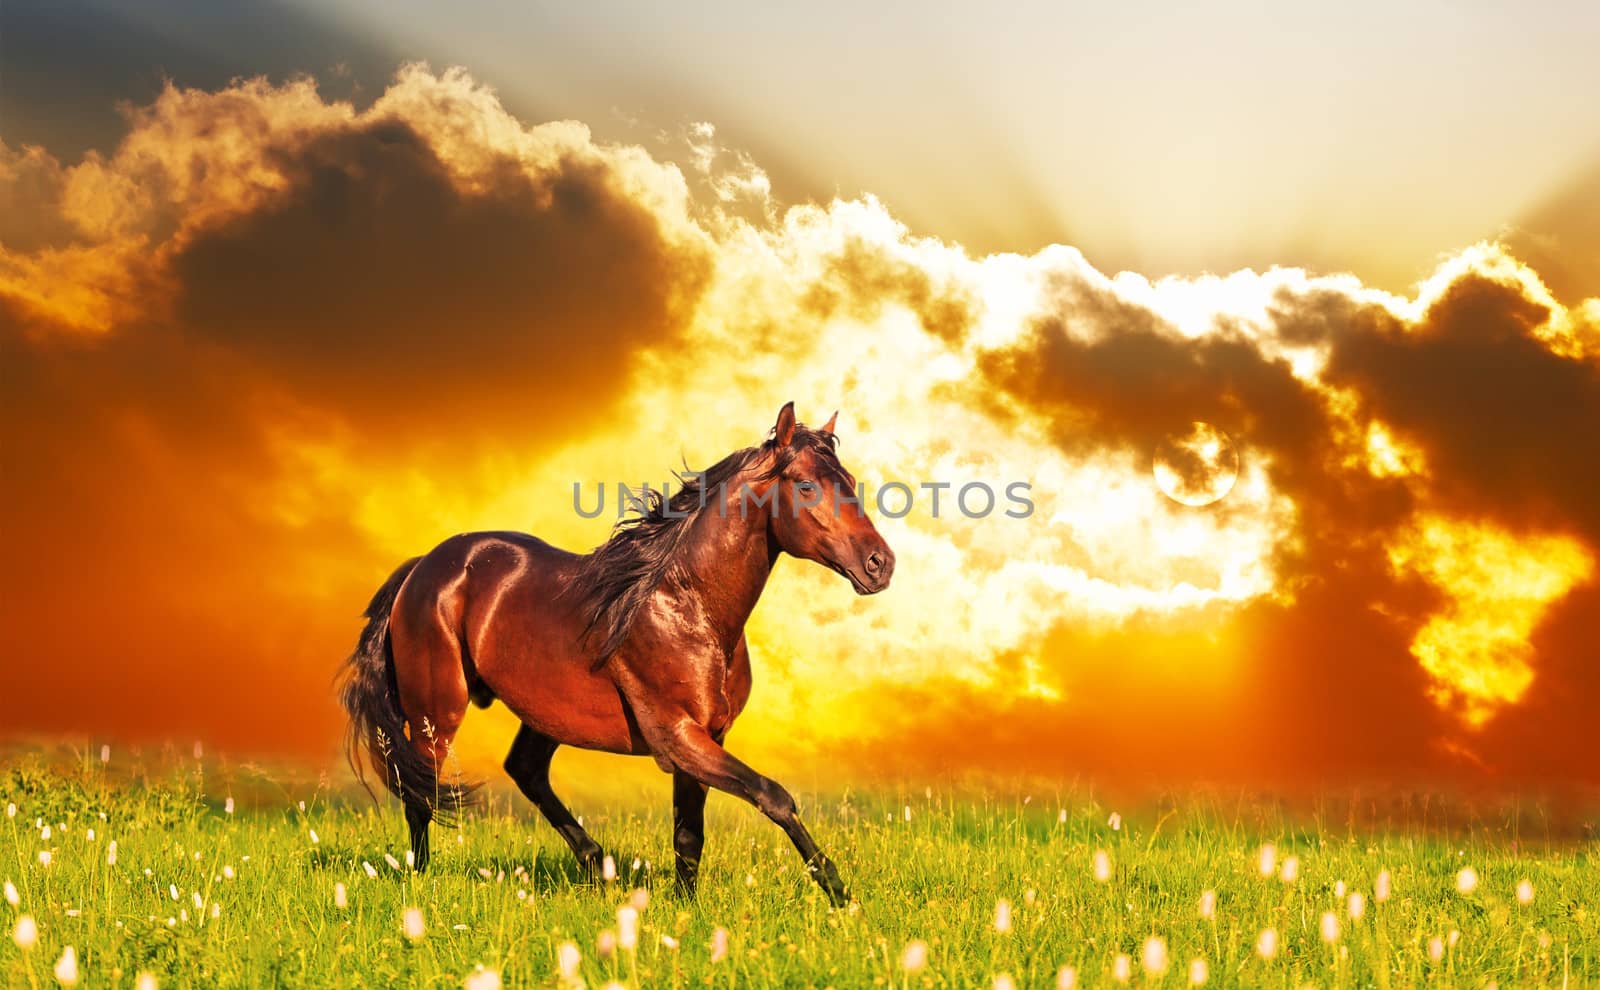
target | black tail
[{"x": 377, "y": 734}]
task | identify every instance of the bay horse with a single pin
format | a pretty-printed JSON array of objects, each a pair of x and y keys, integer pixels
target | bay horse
[{"x": 636, "y": 648}]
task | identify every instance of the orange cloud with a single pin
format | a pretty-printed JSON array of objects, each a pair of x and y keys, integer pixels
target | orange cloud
[{"x": 271, "y": 344}]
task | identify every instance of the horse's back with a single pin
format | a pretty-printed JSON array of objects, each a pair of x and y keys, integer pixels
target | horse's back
[
  {"x": 486, "y": 547},
  {"x": 472, "y": 582},
  {"x": 468, "y": 556}
]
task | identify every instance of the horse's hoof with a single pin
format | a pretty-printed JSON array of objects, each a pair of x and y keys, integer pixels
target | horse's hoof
[
  {"x": 827, "y": 877},
  {"x": 592, "y": 867}
]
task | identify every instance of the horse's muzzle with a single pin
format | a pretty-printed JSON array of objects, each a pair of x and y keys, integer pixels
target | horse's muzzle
[{"x": 877, "y": 567}]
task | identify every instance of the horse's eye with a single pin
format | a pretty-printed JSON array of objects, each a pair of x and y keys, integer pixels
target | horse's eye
[{"x": 807, "y": 488}]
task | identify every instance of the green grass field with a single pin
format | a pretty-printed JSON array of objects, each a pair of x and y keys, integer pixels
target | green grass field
[{"x": 201, "y": 895}]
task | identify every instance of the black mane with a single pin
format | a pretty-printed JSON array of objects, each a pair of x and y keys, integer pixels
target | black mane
[{"x": 620, "y": 575}]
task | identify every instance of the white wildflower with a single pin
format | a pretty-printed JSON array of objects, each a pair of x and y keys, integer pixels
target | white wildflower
[
  {"x": 26, "y": 933},
  {"x": 67, "y": 967},
  {"x": 411, "y": 923},
  {"x": 914, "y": 959},
  {"x": 1154, "y": 955}
]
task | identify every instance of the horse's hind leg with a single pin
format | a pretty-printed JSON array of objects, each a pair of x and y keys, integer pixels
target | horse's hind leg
[
  {"x": 431, "y": 680},
  {"x": 418, "y": 817},
  {"x": 434, "y": 745},
  {"x": 529, "y": 765}
]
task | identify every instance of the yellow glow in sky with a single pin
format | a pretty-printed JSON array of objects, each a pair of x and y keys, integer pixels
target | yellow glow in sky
[{"x": 1497, "y": 585}]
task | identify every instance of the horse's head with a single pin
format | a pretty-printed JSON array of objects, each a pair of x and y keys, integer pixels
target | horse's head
[{"x": 816, "y": 506}]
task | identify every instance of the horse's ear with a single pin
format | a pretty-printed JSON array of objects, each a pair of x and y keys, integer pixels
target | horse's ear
[
  {"x": 783, "y": 432},
  {"x": 828, "y": 427}
]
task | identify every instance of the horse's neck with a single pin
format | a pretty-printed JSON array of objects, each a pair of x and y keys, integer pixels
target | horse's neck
[{"x": 729, "y": 558}]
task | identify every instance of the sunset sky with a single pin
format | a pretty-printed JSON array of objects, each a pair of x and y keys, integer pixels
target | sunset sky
[{"x": 290, "y": 293}]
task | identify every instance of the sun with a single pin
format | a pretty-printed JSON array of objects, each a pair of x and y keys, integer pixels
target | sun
[{"x": 1196, "y": 467}]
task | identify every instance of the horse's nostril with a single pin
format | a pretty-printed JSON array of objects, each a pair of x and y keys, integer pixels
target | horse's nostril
[{"x": 874, "y": 562}]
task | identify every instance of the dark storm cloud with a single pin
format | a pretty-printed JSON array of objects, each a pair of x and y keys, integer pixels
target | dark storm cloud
[
  {"x": 1134, "y": 383},
  {"x": 379, "y": 287},
  {"x": 338, "y": 257},
  {"x": 1107, "y": 374},
  {"x": 1508, "y": 426},
  {"x": 1503, "y": 419}
]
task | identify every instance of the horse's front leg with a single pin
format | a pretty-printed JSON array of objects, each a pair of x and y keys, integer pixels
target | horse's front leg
[
  {"x": 688, "y": 828},
  {"x": 696, "y": 755}
]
